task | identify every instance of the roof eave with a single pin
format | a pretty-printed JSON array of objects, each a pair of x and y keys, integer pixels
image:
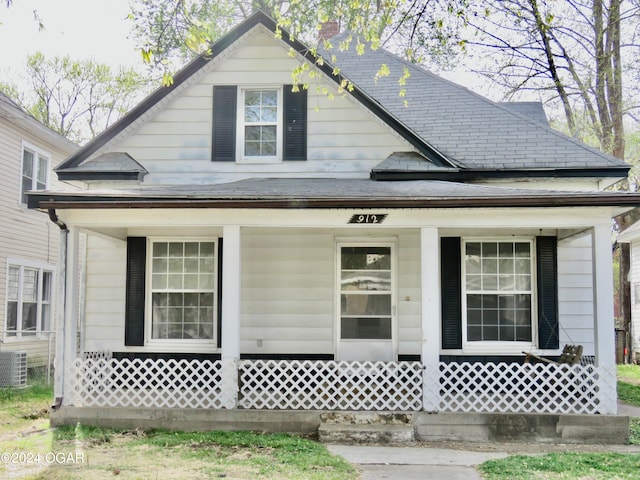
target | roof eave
[
  {"x": 61, "y": 201},
  {"x": 92, "y": 176},
  {"x": 463, "y": 175}
]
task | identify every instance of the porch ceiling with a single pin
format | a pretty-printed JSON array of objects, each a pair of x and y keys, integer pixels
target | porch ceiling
[{"x": 292, "y": 193}]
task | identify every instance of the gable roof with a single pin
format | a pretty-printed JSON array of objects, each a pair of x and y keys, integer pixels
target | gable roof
[
  {"x": 183, "y": 76},
  {"x": 475, "y": 132},
  {"x": 16, "y": 114},
  {"x": 458, "y": 133}
]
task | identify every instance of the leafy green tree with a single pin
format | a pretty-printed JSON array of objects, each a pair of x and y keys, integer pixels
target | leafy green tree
[
  {"x": 171, "y": 31},
  {"x": 77, "y": 98}
]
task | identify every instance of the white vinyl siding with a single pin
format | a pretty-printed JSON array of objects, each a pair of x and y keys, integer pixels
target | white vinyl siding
[
  {"x": 106, "y": 271},
  {"x": 575, "y": 292},
  {"x": 288, "y": 291}
]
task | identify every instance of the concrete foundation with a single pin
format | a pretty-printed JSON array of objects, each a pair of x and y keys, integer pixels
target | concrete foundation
[{"x": 390, "y": 427}]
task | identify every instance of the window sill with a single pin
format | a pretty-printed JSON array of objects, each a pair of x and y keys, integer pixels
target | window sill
[
  {"x": 498, "y": 348},
  {"x": 258, "y": 160},
  {"x": 179, "y": 346},
  {"x": 26, "y": 338}
]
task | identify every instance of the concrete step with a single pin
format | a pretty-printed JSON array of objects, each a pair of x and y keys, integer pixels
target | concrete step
[
  {"x": 366, "y": 418},
  {"x": 366, "y": 434}
]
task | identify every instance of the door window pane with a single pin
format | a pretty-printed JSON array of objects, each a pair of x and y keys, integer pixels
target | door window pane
[
  {"x": 365, "y": 292},
  {"x": 366, "y": 328}
]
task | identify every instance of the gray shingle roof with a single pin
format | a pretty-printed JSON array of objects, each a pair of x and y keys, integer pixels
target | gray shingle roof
[
  {"x": 533, "y": 110},
  {"x": 467, "y": 128}
]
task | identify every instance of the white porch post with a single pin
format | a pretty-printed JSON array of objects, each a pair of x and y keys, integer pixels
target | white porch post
[
  {"x": 603, "y": 322},
  {"x": 58, "y": 360},
  {"x": 430, "y": 354},
  {"x": 70, "y": 316},
  {"x": 230, "y": 338}
]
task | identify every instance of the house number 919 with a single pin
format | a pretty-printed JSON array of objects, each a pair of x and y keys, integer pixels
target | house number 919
[{"x": 368, "y": 218}]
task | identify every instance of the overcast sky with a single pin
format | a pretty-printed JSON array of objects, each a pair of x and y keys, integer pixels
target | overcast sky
[{"x": 82, "y": 29}]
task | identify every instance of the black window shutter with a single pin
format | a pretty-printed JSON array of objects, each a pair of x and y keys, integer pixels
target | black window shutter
[
  {"x": 223, "y": 141},
  {"x": 450, "y": 288},
  {"x": 219, "y": 312},
  {"x": 135, "y": 284},
  {"x": 547, "y": 270},
  {"x": 295, "y": 124}
]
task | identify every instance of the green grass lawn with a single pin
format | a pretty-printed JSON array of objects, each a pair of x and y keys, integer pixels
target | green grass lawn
[
  {"x": 81, "y": 452},
  {"x": 578, "y": 466}
]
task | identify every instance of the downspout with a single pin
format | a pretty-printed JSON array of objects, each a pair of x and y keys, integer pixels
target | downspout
[{"x": 61, "y": 277}]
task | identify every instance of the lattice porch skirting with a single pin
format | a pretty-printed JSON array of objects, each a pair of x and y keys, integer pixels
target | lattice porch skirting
[{"x": 330, "y": 385}]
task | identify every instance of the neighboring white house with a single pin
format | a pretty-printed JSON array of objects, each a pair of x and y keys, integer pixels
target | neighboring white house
[
  {"x": 28, "y": 239},
  {"x": 254, "y": 246},
  {"x": 632, "y": 236}
]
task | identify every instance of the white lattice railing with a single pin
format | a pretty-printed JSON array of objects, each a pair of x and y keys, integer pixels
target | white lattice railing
[
  {"x": 330, "y": 385},
  {"x": 527, "y": 388},
  {"x": 148, "y": 383}
]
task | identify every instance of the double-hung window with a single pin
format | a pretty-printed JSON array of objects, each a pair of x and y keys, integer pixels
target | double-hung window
[
  {"x": 28, "y": 300},
  {"x": 260, "y": 125},
  {"x": 183, "y": 290},
  {"x": 498, "y": 295},
  {"x": 35, "y": 171}
]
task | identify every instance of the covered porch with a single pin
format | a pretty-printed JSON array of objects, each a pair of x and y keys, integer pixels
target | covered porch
[{"x": 267, "y": 357}]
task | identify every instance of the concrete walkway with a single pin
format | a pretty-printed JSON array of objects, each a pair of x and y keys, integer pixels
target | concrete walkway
[
  {"x": 448, "y": 460},
  {"x": 413, "y": 463},
  {"x": 454, "y": 460}
]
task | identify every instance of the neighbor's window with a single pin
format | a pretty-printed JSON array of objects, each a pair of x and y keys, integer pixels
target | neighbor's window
[
  {"x": 35, "y": 167},
  {"x": 498, "y": 290},
  {"x": 260, "y": 125},
  {"x": 183, "y": 290},
  {"x": 28, "y": 300}
]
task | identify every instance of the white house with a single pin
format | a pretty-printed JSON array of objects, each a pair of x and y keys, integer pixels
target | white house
[
  {"x": 632, "y": 236},
  {"x": 28, "y": 239},
  {"x": 251, "y": 246}
]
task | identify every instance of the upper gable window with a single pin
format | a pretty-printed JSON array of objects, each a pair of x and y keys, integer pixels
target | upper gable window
[
  {"x": 35, "y": 169},
  {"x": 260, "y": 126}
]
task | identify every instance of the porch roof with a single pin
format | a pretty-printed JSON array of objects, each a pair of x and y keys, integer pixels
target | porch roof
[{"x": 298, "y": 193}]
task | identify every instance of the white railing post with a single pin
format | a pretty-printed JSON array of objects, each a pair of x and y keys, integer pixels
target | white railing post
[
  {"x": 430, "y": 352},
  {"x": 604, "y": 333},
  {"x": 231, "y": 266}
]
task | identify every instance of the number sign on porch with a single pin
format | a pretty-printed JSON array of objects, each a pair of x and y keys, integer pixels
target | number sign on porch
[{"x": 368, "y": 218}]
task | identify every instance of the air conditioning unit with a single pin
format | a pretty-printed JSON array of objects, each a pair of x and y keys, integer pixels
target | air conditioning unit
[{"x": 13, "y": 369}]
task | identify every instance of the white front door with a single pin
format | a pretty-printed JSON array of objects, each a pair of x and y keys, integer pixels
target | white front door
[{"x": 366, "y": 307}]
